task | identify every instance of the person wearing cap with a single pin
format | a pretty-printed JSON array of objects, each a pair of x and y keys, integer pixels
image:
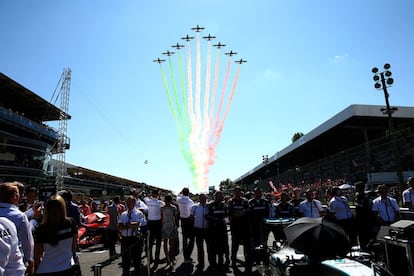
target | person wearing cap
[
  {"x": 408, "y": 194},
  {"x": 11, "y": 259},
  {"x": 238, "y": 208}
]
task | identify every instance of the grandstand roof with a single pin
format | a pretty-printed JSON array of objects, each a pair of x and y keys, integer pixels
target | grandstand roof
[
  {"x": 342, "y": 131},
  {"x": 19, "y": 99},
  {"x": 80, "y": 173}
]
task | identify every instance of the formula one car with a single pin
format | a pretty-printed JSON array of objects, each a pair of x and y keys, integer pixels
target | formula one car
[{"x": 93, "y": 230}]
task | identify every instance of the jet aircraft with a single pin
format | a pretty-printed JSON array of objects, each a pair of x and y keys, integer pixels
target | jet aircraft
[
  {"x": 209, "y": 37},
  {"x": 178, "y": 46},
  {"x": 219, "y": 45},
  {"x": 158, "y": 60},
  {"x": 187, "y": 38},
  {"x": 168, "y": 53},
  {"x": 197, "y": 29},
  {"x": 231, "y": 53},
  {"x": 241, "y": 61}
]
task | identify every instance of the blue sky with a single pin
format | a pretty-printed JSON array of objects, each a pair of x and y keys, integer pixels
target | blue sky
[{"x": 307, "y": 61}]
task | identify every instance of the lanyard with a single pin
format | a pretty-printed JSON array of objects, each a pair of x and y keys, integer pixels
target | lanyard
[{"x": 129, "y": 233}]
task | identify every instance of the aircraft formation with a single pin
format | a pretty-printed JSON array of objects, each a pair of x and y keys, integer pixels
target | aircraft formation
[{"x": 188, "y": 38}]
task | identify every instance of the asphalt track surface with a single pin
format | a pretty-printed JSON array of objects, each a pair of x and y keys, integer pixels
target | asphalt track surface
[{"x": 97, "y": 254}]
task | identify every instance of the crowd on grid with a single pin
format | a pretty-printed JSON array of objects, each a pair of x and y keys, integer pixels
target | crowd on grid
[{"x": 39, "y": 238}]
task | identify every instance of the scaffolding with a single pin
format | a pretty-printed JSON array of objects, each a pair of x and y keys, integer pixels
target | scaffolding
[{"x": 63, "y": 140}]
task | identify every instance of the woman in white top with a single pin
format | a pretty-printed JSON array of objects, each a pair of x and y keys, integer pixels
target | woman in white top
[{"x": 55, "y": 240}]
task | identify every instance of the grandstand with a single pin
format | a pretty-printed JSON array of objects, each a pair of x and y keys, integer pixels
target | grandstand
[
  {"x": 353, "y": 145},
  {"x": 28, "y": 144}
]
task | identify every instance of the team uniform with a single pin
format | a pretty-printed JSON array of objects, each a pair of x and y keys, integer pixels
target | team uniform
[
  {"x": 131, "y": 240},
  {"x": 199, "y": 211},
  {"x": 311, "y": 209},
  {"x": 238, "y": 209},
  {"x": 258, "y": 212},
  {"x": 386, "y": 209},
  {"x": 408, "y": 197},
  {"x": 217, "y": 232},
  {"x": 57, "y": 258},
  {"x": 24, "y": 231},
  {"x": 11, "y": 259},
  {"x": 338, "y": 205}
]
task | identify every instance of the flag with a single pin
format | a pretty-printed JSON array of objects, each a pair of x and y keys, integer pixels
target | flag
[{"x": 272, "y": 186}]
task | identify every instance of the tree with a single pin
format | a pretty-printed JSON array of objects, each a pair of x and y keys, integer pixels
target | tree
[
  {"x": 296, "y": 136},
  {"x": 226, "y": 185}
]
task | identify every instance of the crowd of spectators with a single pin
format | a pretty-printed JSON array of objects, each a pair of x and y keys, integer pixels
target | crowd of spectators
[{"x": 206, "y": 222}]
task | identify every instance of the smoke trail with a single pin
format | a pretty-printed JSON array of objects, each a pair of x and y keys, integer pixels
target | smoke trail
[
  {"x": 199, "y": 117},
  {"x": 198, "y": 86},
  {"x": 168, "y": 93},
  {"x": 183, "y": 95},
  {"x": 207, "y": 89},
  {"x": 213, "y": 96},
  {"x": 185, "y": 123},
  {"x": 174, "y": 86},
  {"x": 223, "y": 92},
  {"x": 236, "y": 77},
  {"x": 205, "y": 131},
  {"x": 190, "y": 106}
]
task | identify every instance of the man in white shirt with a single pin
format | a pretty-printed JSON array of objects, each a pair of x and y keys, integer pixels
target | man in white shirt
[
  {"x": 199, "y": 211},
  {"x": 408, "y": 194},
  {"x": 385, "y": 208},
  {"x": 154, "y": 223},
  {"x": 9, "y": 198},
  {"x": 310, "y": 207},
  {"x": 185, "y": 203},
  {"x": 140, "y": 205},
  {"x": 11, "y": 259},
  {"x": 341, "y": 214},
  {"x": 131, "y": 242}
]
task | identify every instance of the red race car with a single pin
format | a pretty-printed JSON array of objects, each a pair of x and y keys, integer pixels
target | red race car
[{"x": 93, "y": 230}]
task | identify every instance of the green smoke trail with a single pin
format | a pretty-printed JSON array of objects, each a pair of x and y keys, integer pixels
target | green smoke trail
[
  {"x": 183, "y": 96},
  {"x": 175, "y": 91},
  {"x": 167, "y": 90},
  {"x": 185, "y": 121}
]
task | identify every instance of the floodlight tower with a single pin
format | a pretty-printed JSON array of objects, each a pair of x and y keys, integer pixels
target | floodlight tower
[
  {"x": 63, "y": 142},
  {"x": 383, "y": 80}
]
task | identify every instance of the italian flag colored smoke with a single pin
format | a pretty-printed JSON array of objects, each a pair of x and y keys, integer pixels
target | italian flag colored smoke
[{"x": 199, "y": 93}]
